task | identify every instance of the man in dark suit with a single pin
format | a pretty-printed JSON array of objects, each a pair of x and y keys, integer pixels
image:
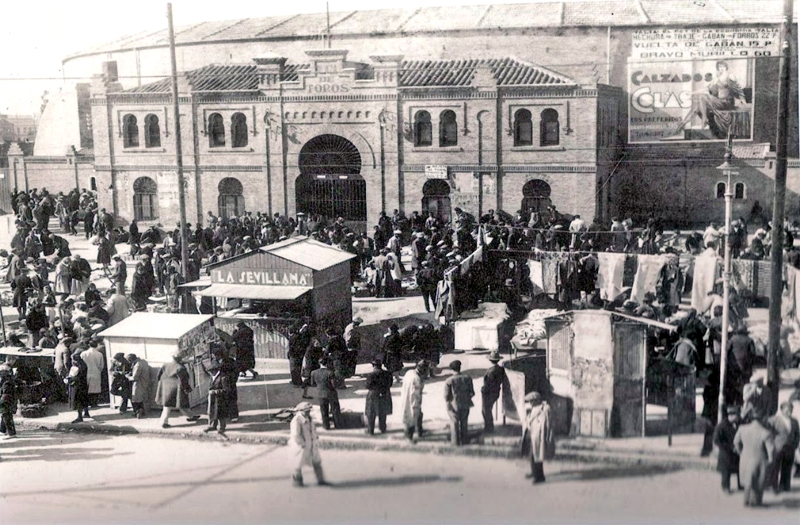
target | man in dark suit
[
  {"x": 490, "y": 392},
  {"x": 379, "y": 397},
  {"x": 327, "y": 397},
  {"x": 427, "y": 281},
  {"x": 728, "y": 458},
  {"x": 458, "y": 394},
  {"x": 245, "y": 349},
  {"x": 298, "y": 342},
  {"x": 787, "y": 439}
]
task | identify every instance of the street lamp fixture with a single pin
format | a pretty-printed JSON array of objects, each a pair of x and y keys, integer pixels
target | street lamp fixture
[{"x": 729, "y": 170}]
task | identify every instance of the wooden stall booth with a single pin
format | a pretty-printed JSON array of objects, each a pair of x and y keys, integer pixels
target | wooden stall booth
[
  {"x": 277, "y": 286},
  {"x": 155, "y": 337},
  {"x": 596, "y": 364}
]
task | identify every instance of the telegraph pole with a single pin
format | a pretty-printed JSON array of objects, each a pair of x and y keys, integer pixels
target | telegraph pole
[
  {"x": 776, "y": 253},
  {"x": 178, "y": 147}
]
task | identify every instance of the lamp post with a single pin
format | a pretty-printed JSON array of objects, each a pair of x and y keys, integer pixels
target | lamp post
[{"x": 729, "y": 170}]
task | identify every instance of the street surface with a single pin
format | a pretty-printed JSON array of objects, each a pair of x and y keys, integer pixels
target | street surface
[{"x": 137, "y": 479}]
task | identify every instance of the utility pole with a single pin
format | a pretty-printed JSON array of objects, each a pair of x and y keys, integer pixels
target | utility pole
[
  {"x": 728, "y": 170},
  {"x": 178, "y": 147},
  {"x": 328, "y": 24},
  {"x": 776, "y": 253}
]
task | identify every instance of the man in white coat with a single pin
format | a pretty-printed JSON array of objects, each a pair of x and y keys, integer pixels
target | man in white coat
[
  {"x": 538, "y": 435},
  {"x": 411, "y": 399},
  {"x": 95, "y": 364},
  {"x": 304, "y": 444}
]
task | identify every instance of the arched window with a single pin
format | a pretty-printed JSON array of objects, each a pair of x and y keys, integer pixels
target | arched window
[
  {"x": 130, "y": 132},
  {"x": 423, "y": 132},
  {"x": 739, "y": 190},
  {"x": 145, "y": 199},
  {"x": 536, "y": 196},
  {"x": 548, "y": 131},
  {"x": 448, "y": 129},
  {"x": 523, "y": 128},
  {"x": 216, "y": 131},
  {"x": 720, "y": 190},
  {"x": 239, "y": 130},
  {"x": 152, "y": 132},
  {"x": 231, "y": 199}
]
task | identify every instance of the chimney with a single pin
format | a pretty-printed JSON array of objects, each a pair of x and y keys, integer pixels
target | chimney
[
  {"x": 110, "y": 71},
  {"x": 270, "y": 71}
]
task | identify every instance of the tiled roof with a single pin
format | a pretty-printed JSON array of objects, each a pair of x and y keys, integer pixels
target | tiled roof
[
  {"x": 587, "y": 13},
  {"x": 507, "y": 72},
  {"x": 234, "y": 77}
]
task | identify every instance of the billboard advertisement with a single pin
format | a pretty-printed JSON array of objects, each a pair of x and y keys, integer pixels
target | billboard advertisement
[{"x": 694, "y": 84}]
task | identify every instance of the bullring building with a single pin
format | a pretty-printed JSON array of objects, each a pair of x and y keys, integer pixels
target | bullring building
[{"x": 600, "y": 108}]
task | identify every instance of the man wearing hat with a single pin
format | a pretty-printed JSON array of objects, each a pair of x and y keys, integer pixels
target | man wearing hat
[
  {"x": 756, "y": 447},
  {"x": 379, "y": 397},
  {"x": 490, "y": 391},
  {"x": 458, "y": 394},
  {"x": 395, "y": 246},
  {"x": 141, "y": 385},
  {"x": 537, "y": 438},
  {"x": 119, "y": 273},
  {"x": 411, "y": 399},
  {"x": 426, "y": 282},
  {"x": 243, "y": 339},
  {"x": 728, "y": 458},
  {"x": 327, "y": 397},
  {"x": 352, "y": 338},
  {"x": 304, "y": 444}
]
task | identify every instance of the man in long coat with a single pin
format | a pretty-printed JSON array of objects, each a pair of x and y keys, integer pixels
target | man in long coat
[
  {"x": 245, "y": 349},
  {"x": 490, "y": 392},
  {"x": 96, "y": 368},
  {"x": 298, "y": 342},
  {"x": 327, "y": 397},
  {"x": 141, "y": 385},
  {"x": 538, "y": 435},
  {"x": 411, "y": 399},
  {"x": 304, "y": 444},
  {"x": 220, "y": 399},
  {"x": 728, "y": 458},
  {"x": 787, "y": 438},
  {"x": 379, "y": 397},
  {"x": 756, "y": 449},
  {"x": 352, "y": 338},
  {"x": 173, "y": 390}
]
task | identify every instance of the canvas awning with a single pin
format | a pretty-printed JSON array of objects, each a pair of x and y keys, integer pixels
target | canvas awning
[{"x": 245, "y": 291}]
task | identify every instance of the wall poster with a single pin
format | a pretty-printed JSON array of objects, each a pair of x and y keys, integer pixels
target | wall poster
[{"x": 694, "y": 84}]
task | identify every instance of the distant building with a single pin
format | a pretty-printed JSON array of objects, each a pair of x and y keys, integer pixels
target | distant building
[{"x": 16, "y": 128}]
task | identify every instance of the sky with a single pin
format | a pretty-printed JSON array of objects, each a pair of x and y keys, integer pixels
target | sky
[{"x": 36, "y": 36}]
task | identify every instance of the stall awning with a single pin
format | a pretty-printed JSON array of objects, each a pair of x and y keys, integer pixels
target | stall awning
[{"x": 246, "y": 291}]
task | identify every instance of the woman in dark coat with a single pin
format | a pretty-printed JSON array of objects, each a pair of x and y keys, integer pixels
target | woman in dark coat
[
  {"x": 173, "y": 391},
  {"x": 78, "y": 386},
  {"x": 140, "y": 289},
  {"x": 104, "y": 250}
]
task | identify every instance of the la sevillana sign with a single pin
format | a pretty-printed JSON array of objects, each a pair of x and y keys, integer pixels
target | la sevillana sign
[{"x": 261, "y": 277}]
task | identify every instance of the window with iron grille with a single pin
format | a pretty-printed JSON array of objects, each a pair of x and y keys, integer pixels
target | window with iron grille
[
  {"x": 152, "y": 133},
  {"x": 216, "y": 131},
  {"x": 423, "y": 129},
  {"x": 231, "y": 198},
  {"x": 549, "y": 128},
  {"x": 523, "y": 128},
  {"x": 130, "y": 132},
  {"x": 145, "y": 199},
  {"x": 238, "y": 130}
]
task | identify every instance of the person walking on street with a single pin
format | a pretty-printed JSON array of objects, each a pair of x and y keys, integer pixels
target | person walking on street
[
  {"x": 379, "y": 397},
  {"x": 493, "y": 382},
  {"x": 141, "y": 385},
  {"x": 223, "y": 379},
  {"x": 756, "y": 449},
  {"x": 411, "y": 399},
  {"x": 328, "y": 399},
  {"x": 245, "y": 349},
  {"x": 458, "y": 394},
  {"x": 537, "y": 439},
  {"x": 298, "y": 343},
  {"x": 173, "y": 391},
  {"x": 304, "y": 445},
  {"x": 78, "y": 387},
  {"x": 787, "y": 439},
  {"x": 728, "y": 457}
]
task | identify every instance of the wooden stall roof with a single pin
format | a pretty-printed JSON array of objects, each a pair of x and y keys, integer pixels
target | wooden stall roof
[
  {"x": 147, "y": 325},
  {"x": 301, "y": 251},
  {"x": 248, "y": 291},
  {"x": 642, "y": 320}
]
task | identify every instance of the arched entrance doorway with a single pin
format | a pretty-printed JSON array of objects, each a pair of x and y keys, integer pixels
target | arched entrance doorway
[
  {"x": 535, "y": 196},
  {"x": 231, "y": 198},
  {"x": 330, "y": 181},
  {"x": 436, "y": 199}
]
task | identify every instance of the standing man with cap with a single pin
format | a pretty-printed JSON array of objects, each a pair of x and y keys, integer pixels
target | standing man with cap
[
  {"x": 490, "y": 391},
  {"x": 119, "y": 274},
  {"x": 379, "y": 397},
  {"x": 426, "y": 282},
  {"x": 787, "y": 438},
  {"x": 538, "y": 435},
  {"x": 304, "y": 444},
  {"x": 141, "y": 385},
  {"x": 352, "y": 338},
  {"x": 728, "y": 458},
  {"x": 395, "y": 246},
  {"x": 298, "y": 342},
  {"x": 327, "y": 397},
  {"x": 96, "y": 368},
  {"x": 458, "y": 394}
]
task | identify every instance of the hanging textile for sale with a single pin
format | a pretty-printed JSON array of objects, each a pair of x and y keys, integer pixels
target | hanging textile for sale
[
  {"x": 647, "y": 275},
  {"x": 537, "y": 277},
  {"x": 444, "y": 299},
  {"x": 610, "y": 274},
  {"x": 550, "y": 275},
  {"x": 743, "y": 275},
  {"x": 706, "y": 270},
  {"x": 789, "y": 299}
]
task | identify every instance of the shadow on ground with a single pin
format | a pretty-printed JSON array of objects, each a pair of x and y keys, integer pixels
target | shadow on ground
[
  {"x": 394, "y": 482},
  {"x": 611, "y": 472}
]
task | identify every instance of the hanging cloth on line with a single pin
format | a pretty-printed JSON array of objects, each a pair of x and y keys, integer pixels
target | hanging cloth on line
[
  {"x": 611, "y": 273},
  {"x": 706, "y": 269},
  {"x": 537, "y": 277},
  {"x": 647, "y": 275}
]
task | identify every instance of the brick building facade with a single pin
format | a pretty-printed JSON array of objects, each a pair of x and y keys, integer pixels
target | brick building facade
[{"x": 351, "y": 139}]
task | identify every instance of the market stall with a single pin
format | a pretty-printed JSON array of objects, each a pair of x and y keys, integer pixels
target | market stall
[
  {"x": 155, "y": 337},
  {"x": 34, "y": 370},
  {"x": 596, "y": 364},
  {"x": 277, "y": 286},
  {"x": 482, "y": 328}
]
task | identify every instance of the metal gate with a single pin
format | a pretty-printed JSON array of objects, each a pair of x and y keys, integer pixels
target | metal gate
[{"x": 332, "y": 197}]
